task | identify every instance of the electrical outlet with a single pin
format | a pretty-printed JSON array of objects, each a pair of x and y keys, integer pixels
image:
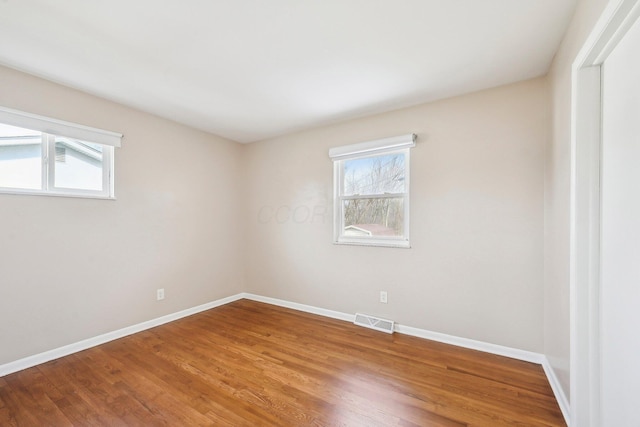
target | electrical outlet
[
  {"x": 383, "y": 297},
  {"x": 160, "y": 294}
]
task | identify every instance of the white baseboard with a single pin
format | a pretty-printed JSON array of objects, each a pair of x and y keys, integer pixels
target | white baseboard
[
  {"x": 558, "y": 391},
  {"x": 301, "y": 307},
  {"x": 513, "y": 353},
  {"x": 66, "y": 350}
]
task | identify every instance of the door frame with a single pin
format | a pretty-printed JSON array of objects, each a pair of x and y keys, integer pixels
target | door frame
[{"x": 585, "y": 207}]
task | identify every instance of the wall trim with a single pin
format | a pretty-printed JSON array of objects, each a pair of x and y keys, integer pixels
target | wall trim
[
  {"x": 499, "y": 350},
  {"x": 513, "y": 353},
  {"x": 300, "y": 307},
  {"x": 585, "y": 387},
  {"x": 37, "y": 359},
  {"x": 557, "y": 389}
]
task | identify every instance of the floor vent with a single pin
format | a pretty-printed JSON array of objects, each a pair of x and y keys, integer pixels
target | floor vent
[{"x": 376, "y": 323}]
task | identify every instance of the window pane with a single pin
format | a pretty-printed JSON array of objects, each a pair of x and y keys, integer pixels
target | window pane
[
  {"x": 374, "y": 175},
  {"x": 78, "y": 164},
  {"x": 20, "y": 158},
  {"x": 374, "y": 217}
]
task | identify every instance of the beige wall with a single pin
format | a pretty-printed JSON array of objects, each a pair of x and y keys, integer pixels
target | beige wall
[
  {"x": 557, "y": 197},
  {"x": 174, "y": 226},
  {"x": 475, "y": 268}
]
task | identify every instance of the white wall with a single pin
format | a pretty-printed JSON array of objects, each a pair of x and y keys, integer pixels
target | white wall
[
  {"x": 556, "y": 204},
  {"x": 620, "y": 230},
  {"x": 475, "y": 266},
  {"x": 174, "y": 225}
]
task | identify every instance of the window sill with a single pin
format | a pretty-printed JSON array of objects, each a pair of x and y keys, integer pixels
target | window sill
[
  {"x": 402, "y": 244},
  {"x": 55, "y": 194}
]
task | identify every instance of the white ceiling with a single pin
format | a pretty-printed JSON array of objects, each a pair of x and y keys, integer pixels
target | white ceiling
[{"x": 252, "y": 69}]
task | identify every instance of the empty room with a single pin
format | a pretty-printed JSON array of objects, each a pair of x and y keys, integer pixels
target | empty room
[{"x": 319, "y": 213}]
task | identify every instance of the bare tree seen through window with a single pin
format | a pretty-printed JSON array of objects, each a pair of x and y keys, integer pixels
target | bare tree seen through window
[{"x": 375, "y": 187}]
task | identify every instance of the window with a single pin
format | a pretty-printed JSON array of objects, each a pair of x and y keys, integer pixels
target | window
[
  {"x": 371, "y": 192},
  {"x": 39, "y": 155}
]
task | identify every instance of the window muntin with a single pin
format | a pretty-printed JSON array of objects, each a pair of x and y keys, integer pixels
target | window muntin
[
  {"x": 42, "y": 155},
  {"x": 371, "y": 189}
]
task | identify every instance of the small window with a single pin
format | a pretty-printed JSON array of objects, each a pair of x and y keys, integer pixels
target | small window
[
  {"x": 46, "y": 156},
  {"x": 371, "y": 189}
]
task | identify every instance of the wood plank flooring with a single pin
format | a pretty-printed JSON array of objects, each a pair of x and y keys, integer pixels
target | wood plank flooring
[{"x": 253, "y": 364}]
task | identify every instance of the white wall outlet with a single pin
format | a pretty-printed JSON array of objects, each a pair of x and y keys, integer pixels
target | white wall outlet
[
  {"x": 383, "y": 297},
  {"x": 160, "y": 294}
]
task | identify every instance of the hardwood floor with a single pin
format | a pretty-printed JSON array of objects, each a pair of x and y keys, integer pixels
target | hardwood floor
[{"x": 253, "y": 364}]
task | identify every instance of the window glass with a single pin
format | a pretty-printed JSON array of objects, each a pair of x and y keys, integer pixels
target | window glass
[
  {"x": 374, "y": 217},
  {"x": 20, "y": 158},
  {"x": 372, "y": 199},
  {"x": 374, "y": 175},
  {"x": 78, "y": 164}
]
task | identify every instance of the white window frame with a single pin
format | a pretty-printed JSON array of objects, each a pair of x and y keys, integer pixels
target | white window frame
[
  {"x": 50, "y": 128},
  {"x": 398, "y": 144}
]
